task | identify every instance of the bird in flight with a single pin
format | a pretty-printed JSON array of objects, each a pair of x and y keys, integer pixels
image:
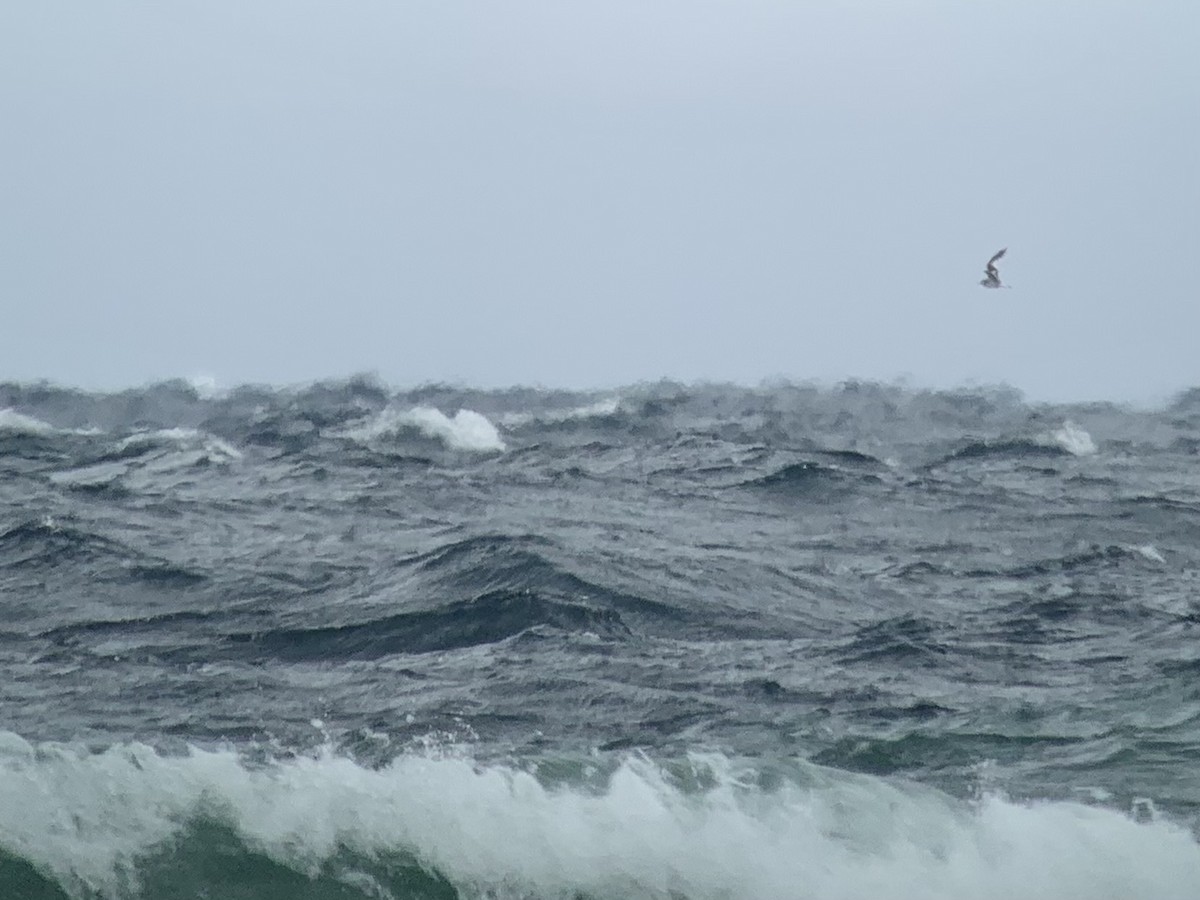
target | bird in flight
[{"x": 993, "y": 275}]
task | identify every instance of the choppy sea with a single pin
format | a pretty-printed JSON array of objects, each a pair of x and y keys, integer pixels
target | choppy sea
[{"x": 677, "y": 641}]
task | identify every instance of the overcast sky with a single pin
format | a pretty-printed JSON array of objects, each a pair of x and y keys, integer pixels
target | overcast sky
[{"x": 587, "y": 194}]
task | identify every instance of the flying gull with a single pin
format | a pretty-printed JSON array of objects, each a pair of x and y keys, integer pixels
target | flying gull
[{"x": 993, "y": 275}]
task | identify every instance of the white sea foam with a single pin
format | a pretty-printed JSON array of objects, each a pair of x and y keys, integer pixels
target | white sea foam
[
  {"x": 499, "y": 832},
  {"x": 13, "y": 421},
  {"x": 468, "y": 430},
  {"x": 205, "y": 386},
  {"x": 1073, "y": 439},
  {"x": 207, "y": 445},
  {"x": 159, "y": 436},
  {"x": 1147, "y": 551},
  {"x": 599, "y": 409},
  {"x": 19, "y": 423}
]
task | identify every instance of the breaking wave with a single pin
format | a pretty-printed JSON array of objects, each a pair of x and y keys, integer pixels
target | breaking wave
[{"x": 132, "y": 822}]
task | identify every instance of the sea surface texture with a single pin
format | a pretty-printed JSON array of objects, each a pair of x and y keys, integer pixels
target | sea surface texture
[{"x": 681, "y": 642}]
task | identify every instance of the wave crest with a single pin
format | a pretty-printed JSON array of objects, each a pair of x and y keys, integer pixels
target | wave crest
[
  {"x": 467, "y": 430},
  {"x": 128, "y": 820}
]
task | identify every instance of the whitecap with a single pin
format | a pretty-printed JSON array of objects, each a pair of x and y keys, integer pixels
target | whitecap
[
  {"x": 18, "y": 423},
  {"x": 467, "y": 430},
  {"x": 631, "y": 830},
  {"x": 1074, "y": 439},
  {"x": 598, "y": 410},
  {"x": 1147, "y": 551},
  {"x": 206, "y": 445},
  {"x": 205, "y": 386},
  {"x": 159, "y": 436}
]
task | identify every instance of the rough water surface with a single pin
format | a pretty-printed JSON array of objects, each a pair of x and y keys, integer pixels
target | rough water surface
[{"x": 669, "y": 641}]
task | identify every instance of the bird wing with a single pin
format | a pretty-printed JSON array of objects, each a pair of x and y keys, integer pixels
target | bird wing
[{"x": 992, "y": 261}]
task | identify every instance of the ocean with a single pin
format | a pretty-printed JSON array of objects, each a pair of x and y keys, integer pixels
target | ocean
[{"x": 682, "y": 641}]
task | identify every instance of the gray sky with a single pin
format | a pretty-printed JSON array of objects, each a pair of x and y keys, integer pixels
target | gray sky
[{"x": 586, "y": 194}]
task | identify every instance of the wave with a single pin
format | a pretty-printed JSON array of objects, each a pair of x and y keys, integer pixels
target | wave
[
  {"x": 597, "y": 409},
  {"x": 1162, "y": 504},
  {"x": 109, "y": 471},
  {"x": 888, "y": 420},
  {"x": 1186, "y": 403},
  {"x": 1085, "y": 558},
  {"x": 131, "y": 822},
  {"x": 48, "y": 544},
  {"x": 30, "y": 439},
  {"x": 469, "y": 593},
  {"x": 76, "y": 566},
  {"x": 1067, "y": 441},
  {"x": 1073, "y": 439},
  {"x": 1012, "y": 448},
  {"x": 16, "y": 423},
  {"x": 467, "y": 430},
  {"x": 182, "y": 438},
  {"x": 486, "y": 619},
  {"x": 811, "y": 479},
  {"x": 526, "y": 563},
  {"x": 1093, "y": 556}
]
